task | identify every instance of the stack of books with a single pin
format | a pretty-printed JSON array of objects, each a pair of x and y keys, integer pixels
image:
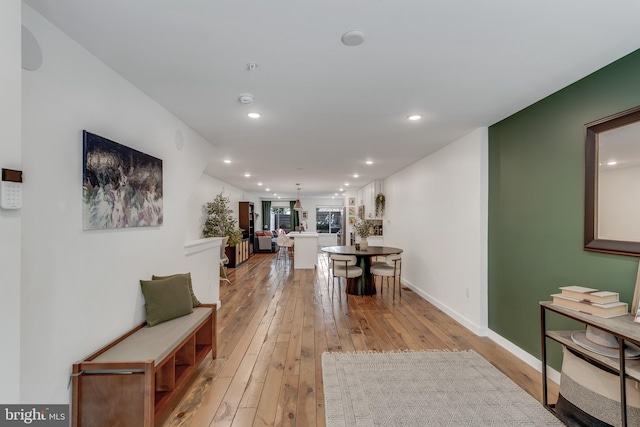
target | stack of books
[{"x": 592, "y": 301}]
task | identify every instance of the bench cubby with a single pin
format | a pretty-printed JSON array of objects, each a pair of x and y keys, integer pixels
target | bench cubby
[{"x": 135, "y": 380}]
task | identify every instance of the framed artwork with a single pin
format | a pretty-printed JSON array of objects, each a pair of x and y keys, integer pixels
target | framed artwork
[
  {"x": 361, "y": 211},
  {"x": 352, "y": 201},
  {"x": 305, "y": 215},
  {"x": 352, "y": 211},
  {"x": 352, "y": 220},
  {"x": 121, "y": 187}
]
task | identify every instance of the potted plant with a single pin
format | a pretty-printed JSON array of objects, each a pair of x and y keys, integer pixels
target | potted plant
[
  {"x": 380, "y": 205},
  {"x": 220, "y": 221},
  {"x": 364, "y": 229}
]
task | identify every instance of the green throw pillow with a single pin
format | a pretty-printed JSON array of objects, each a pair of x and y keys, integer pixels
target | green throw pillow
[
  {"x": 166, "y": 299},
  {"x": 194, "y": 300}
]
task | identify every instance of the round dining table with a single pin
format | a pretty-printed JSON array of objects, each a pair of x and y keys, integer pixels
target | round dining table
[{"x": 363, "y": 285}]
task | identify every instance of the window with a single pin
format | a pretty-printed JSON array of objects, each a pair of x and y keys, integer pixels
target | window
[
  {"x": 328, "y": 219},
  {"x": 280, "y": 218}
]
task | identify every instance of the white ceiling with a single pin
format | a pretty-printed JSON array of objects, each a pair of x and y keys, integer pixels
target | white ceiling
[{"x": 327, "y": 107}]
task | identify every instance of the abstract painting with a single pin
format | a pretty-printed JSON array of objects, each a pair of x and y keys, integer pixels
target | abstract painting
[{"x": 121, "y": 187}]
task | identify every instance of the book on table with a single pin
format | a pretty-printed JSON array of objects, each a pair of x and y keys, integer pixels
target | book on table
[
  {"x": 611, "y": 309},
  {"x": 589, "y": 294}
]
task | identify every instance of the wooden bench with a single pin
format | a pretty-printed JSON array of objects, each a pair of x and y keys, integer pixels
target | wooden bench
[{"x": 134, "y": 379}]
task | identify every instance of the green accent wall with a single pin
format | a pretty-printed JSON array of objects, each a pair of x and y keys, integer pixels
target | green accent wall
[{"x": 536, "y": 205}]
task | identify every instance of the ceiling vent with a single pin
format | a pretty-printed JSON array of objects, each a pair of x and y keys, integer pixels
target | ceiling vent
[{"x": 246, "y": 98}]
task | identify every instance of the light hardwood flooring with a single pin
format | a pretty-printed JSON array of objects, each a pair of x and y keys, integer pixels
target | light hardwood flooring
[{"x": 274, "y": 324}]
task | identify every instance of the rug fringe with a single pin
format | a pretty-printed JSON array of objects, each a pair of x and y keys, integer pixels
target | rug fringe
[{"x": 399, "y": 351}]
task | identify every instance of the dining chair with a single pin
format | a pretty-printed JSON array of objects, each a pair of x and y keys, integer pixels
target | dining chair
[
  {"x": 344, "y": 266},
  {"x": 224, "y": 260},
  {"x": 392, "y": 267}
]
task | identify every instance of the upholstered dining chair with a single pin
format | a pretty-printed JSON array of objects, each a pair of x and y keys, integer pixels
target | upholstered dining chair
[
  {"x": 224, "y": 260},
  {"x": 343, "y": 266},
  {"x": 392, "y": 267}
]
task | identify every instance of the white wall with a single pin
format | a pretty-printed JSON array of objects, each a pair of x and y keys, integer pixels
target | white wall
[
  {"x": 206, "y": 189},
  {"x": 436, "y": 210},
  {"x": 10, "y": 221},
  {"x": 80, "y": 289},
  {"x": 619, "y": 204}
]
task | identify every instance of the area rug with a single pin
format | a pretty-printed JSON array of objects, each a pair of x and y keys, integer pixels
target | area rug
[{"x": 424, "y": 388}]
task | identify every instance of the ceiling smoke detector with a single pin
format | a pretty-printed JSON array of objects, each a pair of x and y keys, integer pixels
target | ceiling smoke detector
[
  {"x": 353, "y": 38},
  {"x": 246, "y": 98}
]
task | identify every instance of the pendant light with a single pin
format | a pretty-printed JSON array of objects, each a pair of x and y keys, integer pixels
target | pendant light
[{"x": 298, "y": 206}]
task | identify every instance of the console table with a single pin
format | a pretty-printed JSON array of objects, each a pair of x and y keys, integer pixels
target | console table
[{"x": 623, "y": 327}]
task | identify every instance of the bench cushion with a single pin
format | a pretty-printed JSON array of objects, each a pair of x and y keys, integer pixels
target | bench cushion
[{"x": 155, "y": 342}]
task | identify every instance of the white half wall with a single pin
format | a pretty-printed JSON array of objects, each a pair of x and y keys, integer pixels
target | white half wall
[
  {"x": 80, "y": 289},
  {"x": 436, "y": 210},
  {"x": 10, "y": 220}
]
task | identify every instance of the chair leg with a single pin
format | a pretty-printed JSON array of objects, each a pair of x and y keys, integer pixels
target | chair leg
[{"x": 224, "y": 271}]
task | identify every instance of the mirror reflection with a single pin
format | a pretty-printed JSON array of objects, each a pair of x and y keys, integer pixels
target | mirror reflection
[{"x": 618, "y": 201}]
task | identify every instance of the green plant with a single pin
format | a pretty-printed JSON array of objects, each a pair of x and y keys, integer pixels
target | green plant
[
  {"x": 363, "y": 227},
  {"x": 380, "y": 201},
  {"x": 220, "y": 221}
]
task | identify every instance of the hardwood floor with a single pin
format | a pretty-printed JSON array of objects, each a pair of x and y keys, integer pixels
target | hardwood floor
[{"x": 274, "y": 325}]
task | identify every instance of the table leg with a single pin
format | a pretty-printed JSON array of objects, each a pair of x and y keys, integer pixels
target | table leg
[{"x": 363, "y": 285}]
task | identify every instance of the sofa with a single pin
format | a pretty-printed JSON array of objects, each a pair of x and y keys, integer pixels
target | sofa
[{"x": 267, "y": 241}]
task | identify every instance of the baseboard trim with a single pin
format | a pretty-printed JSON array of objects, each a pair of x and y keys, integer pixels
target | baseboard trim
[
  {"x": 527, "y": 358},
  {"x": 482, "y": 332}
]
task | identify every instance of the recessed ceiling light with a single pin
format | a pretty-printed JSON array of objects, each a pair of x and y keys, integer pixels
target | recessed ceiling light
[
  {"x": 227, "y": 161},
  {"x": 355, "y": 175},
  {"x": 266, "y": 189},
  {"x": 275, "y": 194},
  {"x": 342, "y": 189},
  {"x": 332, "y": 197},
  {"x": 253, "y": 115},
  {"x": 369, "y": 162},
  {"x": 414, "y": 117},
  {"x": 613, "y": 163},
  {"x": 247, "y": 175},
  {"x": 260, "y": 184},
  {"x": 346, "y": 184},
  {"x": 335, "y": 194}
]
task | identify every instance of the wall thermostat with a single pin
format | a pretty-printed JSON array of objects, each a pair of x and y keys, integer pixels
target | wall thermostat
[{"x": 11, "y": 189}]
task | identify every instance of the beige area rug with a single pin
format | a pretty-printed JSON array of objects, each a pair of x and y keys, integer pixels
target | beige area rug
[{"x": 424, "y": 388}]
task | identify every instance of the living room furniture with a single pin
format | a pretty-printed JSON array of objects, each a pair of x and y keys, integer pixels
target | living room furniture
[
  {"x": 266, "y": 241},
  {"x": 363, "y": 285},
  {"x": 246, "y": 221},
  {"x": 133, "y": 380},
  {"x": 224, "y": 259},
  {"x": 238, "y": 254},
  {"x": 623, "y": 327}
]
